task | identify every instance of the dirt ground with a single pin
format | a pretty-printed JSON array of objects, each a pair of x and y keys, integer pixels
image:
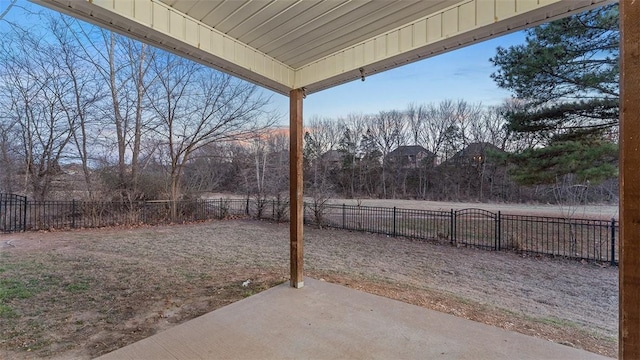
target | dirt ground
[
  {"x": 83, "y": 293},
  {"x": 600, "y": 212}
]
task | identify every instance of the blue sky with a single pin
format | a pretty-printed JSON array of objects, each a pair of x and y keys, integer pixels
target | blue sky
[{"x": 459, "y": 74}]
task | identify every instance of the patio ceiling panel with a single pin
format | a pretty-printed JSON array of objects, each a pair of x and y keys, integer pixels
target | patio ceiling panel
[
  {"x": 160, "y": 25},
  {"x": 289, "y": 24},
  {"x": 288, "y": 44},
  {"x": 463, "y": 24}
]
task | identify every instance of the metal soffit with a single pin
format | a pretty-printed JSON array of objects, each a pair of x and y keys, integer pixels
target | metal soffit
[{"x": 289, "y": 44}]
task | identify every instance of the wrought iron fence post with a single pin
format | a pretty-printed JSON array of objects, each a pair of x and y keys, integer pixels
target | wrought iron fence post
[
  {"x": 498, "y": 232},
  {"x": 24, "y": 215},
  {"x": 394, "y": 221},
  {"x": 452, "y": 231},
  {"x": 613, "y": 241},
  {"x": 304, "y": 213},
  {"x": 246, "y": 211},
  {"x": 145, "y": 212},
  {"x": 343, "y": 215},
  {"x": 73, "y": 213}
]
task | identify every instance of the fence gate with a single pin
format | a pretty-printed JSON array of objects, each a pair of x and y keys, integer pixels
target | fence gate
[
  {"x": 13, "y": 213},
  {"x": 476, "y": 227}
]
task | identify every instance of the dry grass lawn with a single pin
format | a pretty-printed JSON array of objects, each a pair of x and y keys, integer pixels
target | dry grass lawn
[{"x": 83, "y": 293}]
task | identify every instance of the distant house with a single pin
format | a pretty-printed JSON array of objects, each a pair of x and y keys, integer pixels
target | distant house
[
  {"x": 472, "y": 174},
  {"x": 412, "y": 156},
  {"x": 473, "y": 155}
]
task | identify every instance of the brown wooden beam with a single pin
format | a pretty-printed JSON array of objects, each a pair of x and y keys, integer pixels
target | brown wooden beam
[
  {"x": 629, "y": 337},
  {"x": 295, "y": 188}
]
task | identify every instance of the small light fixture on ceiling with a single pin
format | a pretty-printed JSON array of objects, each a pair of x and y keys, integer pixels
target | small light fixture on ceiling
[{"x": 362, "y": 74}]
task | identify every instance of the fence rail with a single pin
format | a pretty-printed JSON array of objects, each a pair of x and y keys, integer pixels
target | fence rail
[
  {"x": 571, "y": 238},
  {"x": 566, "y": 237}
]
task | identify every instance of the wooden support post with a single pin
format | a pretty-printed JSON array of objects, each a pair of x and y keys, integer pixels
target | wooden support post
[
  {"x": 629, "y": 336},
  {"x": 295, "y": 188}
]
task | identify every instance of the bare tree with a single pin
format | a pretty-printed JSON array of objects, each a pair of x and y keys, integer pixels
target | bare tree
[
  {"x": 79, "y": 104},
  {"x": 5, "y": 9},
  {"x": 322, "y": 136},
  {"x": 123, "y": 66},
  {"x": 417, "y": 115},
  {"x": 350, "y": 150},
  {"x": 466, "y": 116},
  {"x": 35, "y": 89},
  {"x": 213, "y": 167},
  {"x": 388, "y": 130},
  {"x": 270, "y": 173},
  {"x": 194, "y": 106},
  {"x": 260, "y": 154},
  {"x": 9, "y": 159},
  {"x": 439, "y": 124},
  {"x": 326, "y": 132},
  {"x": 490, "y": 128},
  {"x": 278, "y": 180}
]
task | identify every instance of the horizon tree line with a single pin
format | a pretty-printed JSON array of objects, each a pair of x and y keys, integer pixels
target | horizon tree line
[{"x": 141, "y": 124}]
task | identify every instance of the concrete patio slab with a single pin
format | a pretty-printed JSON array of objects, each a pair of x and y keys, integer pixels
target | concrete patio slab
[{"x": 328, "y": 321}]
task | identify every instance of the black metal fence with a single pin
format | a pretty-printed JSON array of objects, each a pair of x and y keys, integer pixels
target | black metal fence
[
  {"x": 12, "y": 212},
  {"x": 47, "y": 215},
  {"x": 23, "y": 215},
  {"x": 566, "y": 237},
  {"x": 571, "y": 238}
]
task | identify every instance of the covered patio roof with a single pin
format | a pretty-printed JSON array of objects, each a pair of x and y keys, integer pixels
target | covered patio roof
[
  {"x": 290, "y": 44},
  {"x": 298, "y": 47}
]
